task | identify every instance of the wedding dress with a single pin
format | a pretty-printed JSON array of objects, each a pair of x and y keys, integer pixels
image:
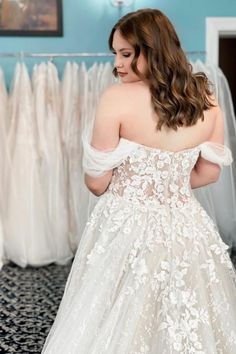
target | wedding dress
[
  {"x": 151, "y": 274},
  {"x": 26, "y": 237},
  {"x": 35, "y": 219},
  {"x": 92, "y": 83},
  {"x": 70, "y": 132},
  {"x": 52, "y": 157},
  {"x": 219, "y": 199},
  {"x": 4, "y": 159}
]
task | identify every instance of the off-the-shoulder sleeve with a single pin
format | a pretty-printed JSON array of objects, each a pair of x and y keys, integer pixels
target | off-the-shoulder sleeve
[
  {"x": 96, "y": 162},
  {"x": 216, "y": 153}
]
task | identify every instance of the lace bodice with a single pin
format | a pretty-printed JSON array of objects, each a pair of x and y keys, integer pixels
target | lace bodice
[
  {"x": 146, "y": 174},
  {"x": 150, "y": 174}
]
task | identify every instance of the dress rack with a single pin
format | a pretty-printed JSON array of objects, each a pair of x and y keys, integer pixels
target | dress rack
[
  {"x": 71, "y": 55},
  {"x": 54, "y": 55}
]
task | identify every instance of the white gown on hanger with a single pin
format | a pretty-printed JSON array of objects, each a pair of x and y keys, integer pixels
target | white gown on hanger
[
  {"x": 70, "y": 133},
  {"x": 52, "y": 170},
  {"x": 151, "y": 274},
  {"x": 25, "y": 216},
  {"x": 219, "y": 199},
  {"x": 92, "y": 83},
  {"x": 4, "y": 159}
]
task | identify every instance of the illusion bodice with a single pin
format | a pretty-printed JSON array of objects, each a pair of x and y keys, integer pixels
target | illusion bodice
[
  {"x": 142, "y": 173},
  {"x": 150, "y": 174}
]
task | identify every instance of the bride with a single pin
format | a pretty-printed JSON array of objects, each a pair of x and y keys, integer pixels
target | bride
[{"x": 151, "y": 274}]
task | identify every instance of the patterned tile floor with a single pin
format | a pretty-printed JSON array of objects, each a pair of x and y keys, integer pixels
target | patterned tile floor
[{"x": 29, "y": 299}]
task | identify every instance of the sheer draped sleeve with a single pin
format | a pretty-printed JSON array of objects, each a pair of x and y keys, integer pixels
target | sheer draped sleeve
[
  {"x": 96, "y": 162},
  {"x": 216, "y": 153}
]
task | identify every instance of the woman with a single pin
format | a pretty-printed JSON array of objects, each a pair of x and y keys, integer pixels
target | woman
[{"x": 151, "y": 274}]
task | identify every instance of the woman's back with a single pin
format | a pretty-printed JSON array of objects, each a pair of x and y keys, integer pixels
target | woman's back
[{"x": 138, "y": 121}]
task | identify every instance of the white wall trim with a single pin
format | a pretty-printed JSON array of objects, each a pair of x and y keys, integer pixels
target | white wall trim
[{"x": 216, "y": 27}]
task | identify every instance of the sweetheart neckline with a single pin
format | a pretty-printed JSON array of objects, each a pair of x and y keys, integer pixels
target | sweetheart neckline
[{"x": 161, "y": 150}]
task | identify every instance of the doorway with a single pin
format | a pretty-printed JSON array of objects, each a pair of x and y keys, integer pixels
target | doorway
[{"x": 227, "y": 63}]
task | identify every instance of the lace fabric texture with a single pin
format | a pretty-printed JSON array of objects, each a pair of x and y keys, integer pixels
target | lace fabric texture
[
  {"x": 96, "y": 162},
  {"x": 151, "y": 274},
  {"x": 161, "y": 178}
]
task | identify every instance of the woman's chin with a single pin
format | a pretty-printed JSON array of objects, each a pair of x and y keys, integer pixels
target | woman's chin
[{"x": 126, "y": 80}]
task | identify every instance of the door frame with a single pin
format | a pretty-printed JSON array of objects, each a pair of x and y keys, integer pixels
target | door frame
[{"x": 217, "y": 27}]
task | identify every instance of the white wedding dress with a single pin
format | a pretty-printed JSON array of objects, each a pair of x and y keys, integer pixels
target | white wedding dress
[
  {"x": 27, "y": 238},
  {"x": 219, "y": 199},
  {"x": 4, "y": 160},
  {"x": 151, "y": 274}
]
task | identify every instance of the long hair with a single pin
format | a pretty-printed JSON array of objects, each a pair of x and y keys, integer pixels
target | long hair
[{"x": 179, "y": 96}]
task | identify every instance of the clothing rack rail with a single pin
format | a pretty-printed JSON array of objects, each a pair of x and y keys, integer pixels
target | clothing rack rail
[
  {"x": 54, "y": 55},
  {"x": 71, "y": 55}
]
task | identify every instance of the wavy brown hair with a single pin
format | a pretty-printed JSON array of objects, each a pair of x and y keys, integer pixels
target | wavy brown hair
[{"x": 179, "y": 96}]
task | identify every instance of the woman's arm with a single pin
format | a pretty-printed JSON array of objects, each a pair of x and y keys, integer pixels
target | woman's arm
[
  {"x": 98, "y": 185},
  {"x": 206, "y": 172},
  {"x": 203, "y": 173},
  {"x": 105, "y": 135}
]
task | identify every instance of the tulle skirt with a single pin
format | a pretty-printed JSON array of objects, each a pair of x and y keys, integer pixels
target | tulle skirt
[{"x": 147, "y": 280}]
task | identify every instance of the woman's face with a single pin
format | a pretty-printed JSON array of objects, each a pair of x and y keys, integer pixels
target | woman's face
[{"x": 124, "y": 54}]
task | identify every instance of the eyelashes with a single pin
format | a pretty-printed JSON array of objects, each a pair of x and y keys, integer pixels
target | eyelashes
[{"x": 125, "y": 55}]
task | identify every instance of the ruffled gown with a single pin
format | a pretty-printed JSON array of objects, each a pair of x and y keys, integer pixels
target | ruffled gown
[{"x": 151, "y": 274}]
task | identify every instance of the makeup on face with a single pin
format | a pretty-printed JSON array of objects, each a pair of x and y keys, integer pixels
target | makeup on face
[{"x": 124, "y": 54}]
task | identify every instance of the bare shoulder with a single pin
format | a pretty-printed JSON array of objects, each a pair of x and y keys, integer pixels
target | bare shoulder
[
  {"x": 116, "y": 89},
  {"x": 215, "y": 115},
  {"x": 216, "y": 108},
  {"x": 109, "y": 100},
  {"x": 112, "y": 96},
  {"x": 119, "y": 99},
  {"x": 122, "y": 89},
  {"x": 113, "y": 100},
  {"x": 112, "y": 90}
]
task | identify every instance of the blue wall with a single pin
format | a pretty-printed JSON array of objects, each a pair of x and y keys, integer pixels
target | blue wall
[{"x": 87, "y": 24}]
